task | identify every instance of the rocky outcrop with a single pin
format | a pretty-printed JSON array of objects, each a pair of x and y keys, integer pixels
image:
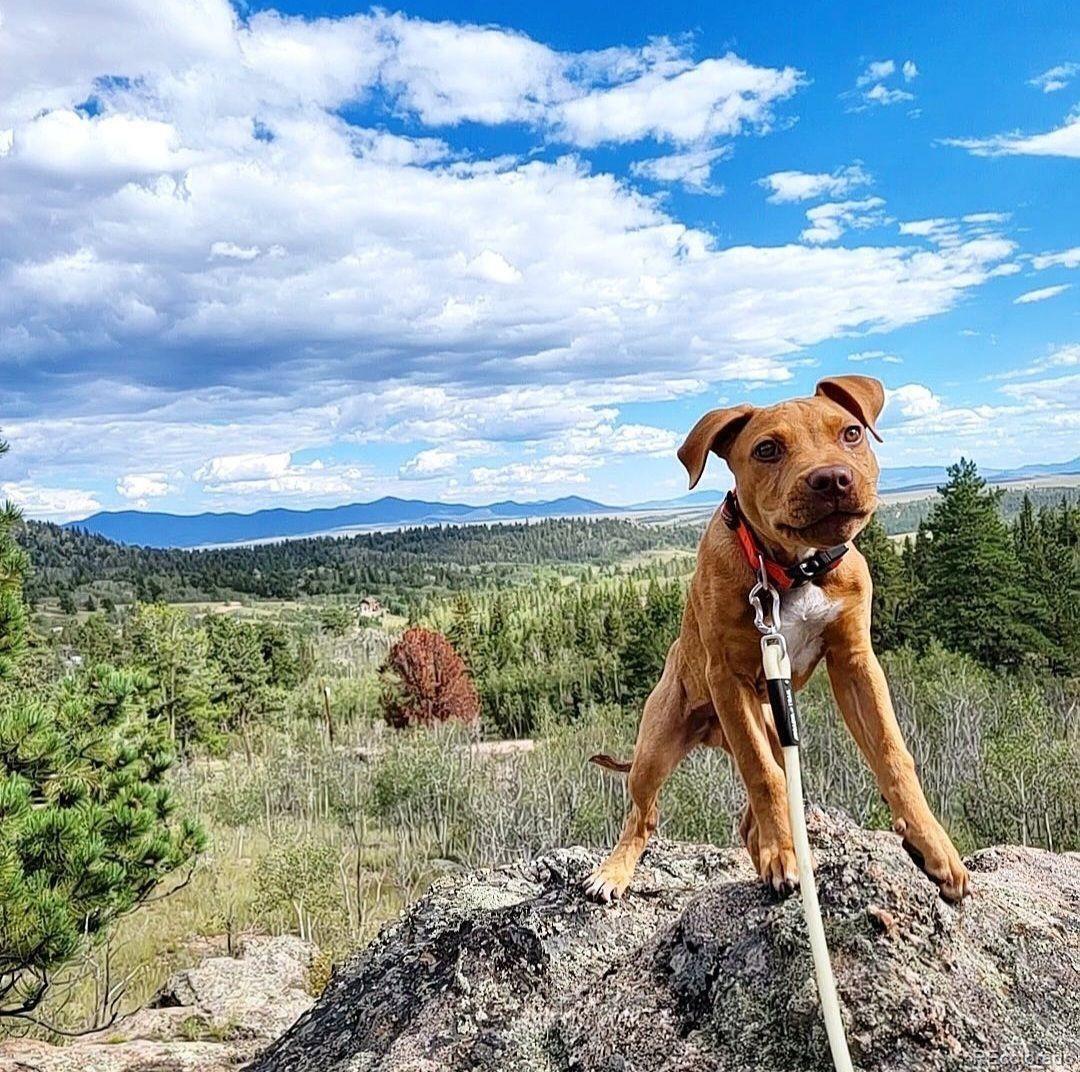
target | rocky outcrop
[
  {"x": 144, "y": 1055},
  {"x": 210, "y": 1018},
  {"x": 701, "y": 969},
  {"x": 255, "y": 995}
]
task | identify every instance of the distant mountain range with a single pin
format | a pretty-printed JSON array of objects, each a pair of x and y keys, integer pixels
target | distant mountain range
[
  {"x": 201, "y": 530},
  {"x": 914, "y": 477}
]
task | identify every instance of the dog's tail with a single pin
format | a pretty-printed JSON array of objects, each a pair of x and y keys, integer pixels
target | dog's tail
[{"x": 611, "y": 764}]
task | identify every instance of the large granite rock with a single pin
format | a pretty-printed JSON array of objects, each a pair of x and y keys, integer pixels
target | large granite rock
[
  {"x": 213, "y": 1017},
  {"x": 701, "y": 969},
  {"x": 254, "y": 995}
]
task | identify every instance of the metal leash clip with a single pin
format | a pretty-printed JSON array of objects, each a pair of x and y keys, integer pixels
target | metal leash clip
[{"x": 763, "y": 587}]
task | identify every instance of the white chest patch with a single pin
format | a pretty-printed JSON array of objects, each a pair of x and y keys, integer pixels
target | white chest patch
[{"x": 804, "y": 613}]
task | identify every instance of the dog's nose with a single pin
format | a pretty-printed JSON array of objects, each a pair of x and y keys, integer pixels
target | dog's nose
[{"x": 830, "y": 480}]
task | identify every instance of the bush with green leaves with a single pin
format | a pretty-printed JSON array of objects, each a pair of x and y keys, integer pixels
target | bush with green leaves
[
  {"x": 296, "y": 884},
  {"x": 336, "y": 619},
  {"x": 352, "y": 699}
]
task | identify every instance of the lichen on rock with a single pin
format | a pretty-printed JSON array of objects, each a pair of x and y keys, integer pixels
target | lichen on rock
[{"x": 701, "y": 968}]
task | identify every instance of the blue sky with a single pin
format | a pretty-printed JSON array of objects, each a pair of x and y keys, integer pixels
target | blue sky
[{"x": 305, "y": 254}]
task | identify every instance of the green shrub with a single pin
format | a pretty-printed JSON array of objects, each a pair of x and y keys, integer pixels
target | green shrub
[{"x": 297, "y": 880}]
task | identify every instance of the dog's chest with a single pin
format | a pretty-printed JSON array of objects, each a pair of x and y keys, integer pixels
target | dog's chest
[{"x": 804, "y": 613}]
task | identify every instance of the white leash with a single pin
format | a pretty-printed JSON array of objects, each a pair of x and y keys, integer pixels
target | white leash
[{"x": 774, "y": 659}]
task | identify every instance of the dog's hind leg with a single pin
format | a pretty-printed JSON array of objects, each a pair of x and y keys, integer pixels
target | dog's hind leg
[{"x": 666, "y": 735}]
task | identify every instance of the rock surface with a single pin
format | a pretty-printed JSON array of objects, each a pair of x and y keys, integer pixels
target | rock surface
[
  {"x": 702, "y": 970},
  {"x": 210, "y": 1018},
  {"x": 254, "y": 995}
]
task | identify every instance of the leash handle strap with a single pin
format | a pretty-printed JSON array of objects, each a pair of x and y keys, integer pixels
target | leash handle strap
[
  {"x": 819, "y": 947},
  {"x": 774, "y": 659},
  {"x": 777, "y": 666}
]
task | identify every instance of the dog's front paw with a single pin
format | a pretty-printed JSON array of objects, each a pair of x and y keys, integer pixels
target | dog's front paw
[
  {"x": 775, "y": 862},
  {"x": 934, "y": 853},
  {"x": 608, "y": 882}
]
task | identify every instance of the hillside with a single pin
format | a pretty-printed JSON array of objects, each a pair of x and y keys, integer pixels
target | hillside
[
  {"x": 393, "y": 565},
  {"x": 902, "y": 515}
]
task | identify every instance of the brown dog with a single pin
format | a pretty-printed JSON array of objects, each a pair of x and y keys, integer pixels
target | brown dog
[{"x": 806, "y": 480}]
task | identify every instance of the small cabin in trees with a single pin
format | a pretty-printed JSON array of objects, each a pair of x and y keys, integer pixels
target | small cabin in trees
[{"x": 370, "y": 607}]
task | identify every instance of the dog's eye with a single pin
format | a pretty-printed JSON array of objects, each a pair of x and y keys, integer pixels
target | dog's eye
[
  {"x": 852, "y": 433},
  {"x": 768, "y": 450}
]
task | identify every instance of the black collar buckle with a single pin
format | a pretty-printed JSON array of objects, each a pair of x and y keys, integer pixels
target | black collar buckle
[{"x": 816, "y": 564}]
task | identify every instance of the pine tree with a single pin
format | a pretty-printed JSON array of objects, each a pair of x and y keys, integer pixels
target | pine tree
[
  {"x": 973, "y": 599},
  {"x": 87, "y": 828},
  {"x": 887, "y": 573},
  {"x": 13, "y": 567},
  {"x": 174, "y": 658},
  {"x": 497, "y": 641},
  {"x": 239, "y": 675},
  {"x": 911, "y": 624},
  {"x": 462, "y": 632},
  {"x": 1036, "y": 573},
  {"x": 1051, "y": 546},
  {"x": 653, "y": 629},
  {"x": 282, "y": 655},
  {"x": 87, "y": 825}
]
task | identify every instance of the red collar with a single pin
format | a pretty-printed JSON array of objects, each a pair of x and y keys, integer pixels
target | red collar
[{"x": 784, "y": 577}]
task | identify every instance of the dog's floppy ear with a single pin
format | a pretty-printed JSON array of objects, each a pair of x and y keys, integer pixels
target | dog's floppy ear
[
  {"x": 861, "y": 396},
  {"x": 716, "y": 431}
]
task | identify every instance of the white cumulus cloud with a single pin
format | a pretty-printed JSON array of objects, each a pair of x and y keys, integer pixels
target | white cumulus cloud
[
  {"x": 431, "y": 463},
  {"x": 828, "y": 222},
  {"x": 691, "y": 169},
  {"x": 231, "y": 251},
  {"x": 237, "y": 467},
  {"x": 493, "y": 267},
  {"x": 240, "y": 476},
  {"x": 52, "y": 503},
  {"x": 788, "y": 186},
  {"x": 876, "y": 71},
  {"x": 142, "y": 486},
  {"x": 872, "y": 88},
  {"x": 912, "y": 400},
  {"x": 881, "y": 94},
  {"x": 1066, "y": 258}
]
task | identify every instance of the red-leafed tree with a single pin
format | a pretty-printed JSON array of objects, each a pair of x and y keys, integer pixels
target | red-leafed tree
[{"x": 426, "y": 682}]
